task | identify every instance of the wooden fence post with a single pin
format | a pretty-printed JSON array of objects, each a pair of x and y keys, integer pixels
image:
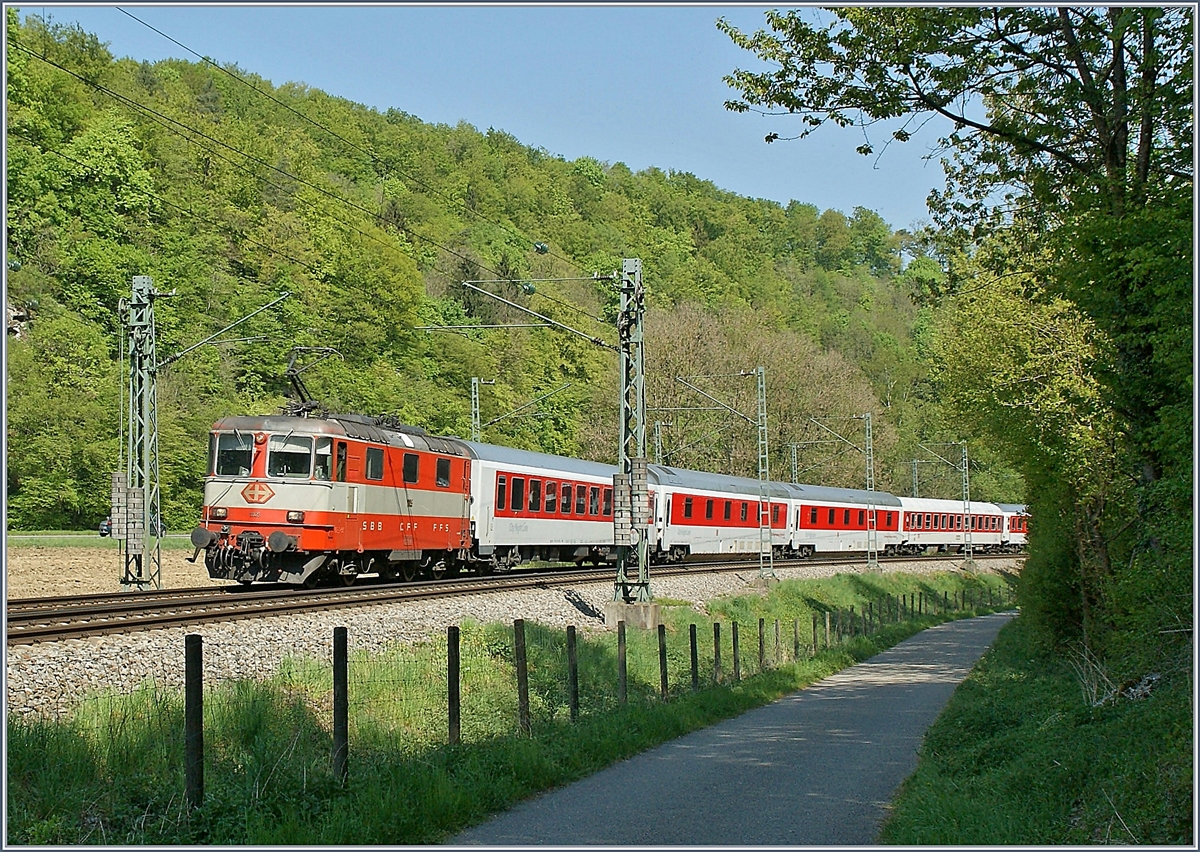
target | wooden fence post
[
  {"x": 695, "y": 658},
  {"x": 778, "y": 648},
  {"x": 827, "y": 625},
  {"x": 716, "y": 652},
  {"x": 815, "y": 633},
  {"x": 193, "y": 720},
  {"x": 737, "y": 654},
  {"x": 572, "y": 674},
  {"x": 453, "y": 692},
  {"x": 662, "y": 660},
  {"x": 341, "y": 705},
  {"x": 795, "y": 639},
  {"x": 522, "y": 676},
  {"x": 621, "y": 663},
  {"x": 762, "y": 650}
]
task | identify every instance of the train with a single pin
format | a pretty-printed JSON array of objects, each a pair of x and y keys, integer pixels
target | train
[{"x": 307, "y": 500}]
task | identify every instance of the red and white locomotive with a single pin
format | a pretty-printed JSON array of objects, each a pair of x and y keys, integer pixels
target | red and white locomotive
[
  {"x": 296, "y": 499},
  {"x": 291, "y": 499}
]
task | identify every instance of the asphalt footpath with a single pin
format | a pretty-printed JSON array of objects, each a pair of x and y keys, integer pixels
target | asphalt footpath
[{"x": 815, "y": 768}]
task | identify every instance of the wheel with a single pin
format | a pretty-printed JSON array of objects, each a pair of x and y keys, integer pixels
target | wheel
[{"x": 408, "y": 570}]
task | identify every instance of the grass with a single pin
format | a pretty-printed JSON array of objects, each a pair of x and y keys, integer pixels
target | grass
[
  {"x": 85, "y": 538},
  {"x": 1021, "y": 757},
  {"x": 112, "y": 772}
]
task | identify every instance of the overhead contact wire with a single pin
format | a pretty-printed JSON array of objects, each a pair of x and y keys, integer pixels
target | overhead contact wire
[{"x": 374, "y": 157}]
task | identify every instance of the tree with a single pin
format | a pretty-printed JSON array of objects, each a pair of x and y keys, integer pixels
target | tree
[
  {"x": 1070, "y": 133},
  {"x": 1077, "y": 101}
]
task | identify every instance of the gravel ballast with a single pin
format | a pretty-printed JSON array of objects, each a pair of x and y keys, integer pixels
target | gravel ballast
[{"x": 49, "y": 678}]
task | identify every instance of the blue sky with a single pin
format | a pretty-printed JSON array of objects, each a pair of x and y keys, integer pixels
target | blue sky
[{"x": 626, "y": 83}]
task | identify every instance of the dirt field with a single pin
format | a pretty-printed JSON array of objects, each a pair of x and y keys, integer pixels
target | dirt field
[{"x": 32, "y": 572}]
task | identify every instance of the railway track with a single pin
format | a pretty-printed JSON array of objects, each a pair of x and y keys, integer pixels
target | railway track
[{"x": 32, "y": 620}]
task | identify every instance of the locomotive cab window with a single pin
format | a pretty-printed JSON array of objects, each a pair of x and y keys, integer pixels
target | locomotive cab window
[
  {"x": 233, "y": 453},
  {"x": 323, "y": 469},
  {"x": 375, "y": 463},
  {"x": 443, "y": 473},
  {"x": 340, "y": 473},
  {"x": 412, "y": 467},
  {"x": 289, "y": 456}
]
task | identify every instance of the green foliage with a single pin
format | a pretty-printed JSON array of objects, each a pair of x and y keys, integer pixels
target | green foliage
[
  {"x": 1017, "y": 758},
  {"x": 370, "y": 245},
  {"x": 1068, "y": 236}
]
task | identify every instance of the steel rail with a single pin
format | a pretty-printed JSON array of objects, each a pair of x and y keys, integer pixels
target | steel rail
[{"x": 32, "y": 620}]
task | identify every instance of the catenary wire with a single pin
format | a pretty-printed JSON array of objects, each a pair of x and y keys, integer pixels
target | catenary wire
[{"x": 374, "y": 157}]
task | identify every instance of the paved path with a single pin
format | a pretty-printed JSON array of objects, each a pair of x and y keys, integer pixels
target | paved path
[{"x": 817, "y": 767}]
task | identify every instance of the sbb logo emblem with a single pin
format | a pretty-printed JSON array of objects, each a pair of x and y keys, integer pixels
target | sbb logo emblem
[{"x": 257, "y": 492}]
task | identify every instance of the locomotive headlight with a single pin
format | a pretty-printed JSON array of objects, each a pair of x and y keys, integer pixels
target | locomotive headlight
[
  {"x": 218, "y": 513},
  {"x": 295, "y": 517}
]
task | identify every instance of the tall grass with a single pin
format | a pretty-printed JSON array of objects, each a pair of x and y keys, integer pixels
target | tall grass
[
  {"x": 1021, "y": 756},
  {"x": 112, "y": 772}
]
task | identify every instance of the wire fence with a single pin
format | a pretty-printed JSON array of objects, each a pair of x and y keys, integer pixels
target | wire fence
[{"x": 470, "y": 684}]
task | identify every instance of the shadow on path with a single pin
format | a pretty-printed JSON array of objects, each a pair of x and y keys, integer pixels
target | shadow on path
[{"x": 817, "y": 767}]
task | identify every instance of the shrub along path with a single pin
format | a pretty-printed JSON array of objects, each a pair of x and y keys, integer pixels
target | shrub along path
[{"x": 817, "y": 767}]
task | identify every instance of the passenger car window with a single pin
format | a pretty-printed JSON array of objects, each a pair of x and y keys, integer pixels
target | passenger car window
[
  {"x": 535, "y": 495},
  {"x": 708, "y": 506},
  {"x": 501, "y": 491},
  {"x": 566, "y": 498},
  {"x": 375, "y": 463},
  {"x": 551, "y": 496},
  {"x": 608, "y": 501},
  {"x": 412, "y": 467},
  {"x": 687, "y": 507},
  {"x": 323, "y": 469},
  {"x": 518, "y": 493},
  {"x": 289, "y": 456},
  {"x": 340, "y": 475},
  {"x": 234, "y": 452},
  {"x": 594, "y": 502},
  {"x": 580, "y": 499}
]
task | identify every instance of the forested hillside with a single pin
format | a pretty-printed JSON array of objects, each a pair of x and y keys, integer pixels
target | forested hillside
[{"x": 228, "y": 191}]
